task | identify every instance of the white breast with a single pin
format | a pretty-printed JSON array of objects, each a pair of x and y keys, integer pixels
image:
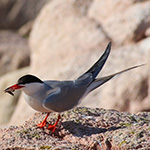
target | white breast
[
  {"x": 36, "y": 104},
  {"x": 34, "y": 94}
]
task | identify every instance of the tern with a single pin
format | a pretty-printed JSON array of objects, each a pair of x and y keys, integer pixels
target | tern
[{"x": 59, "y": 96}]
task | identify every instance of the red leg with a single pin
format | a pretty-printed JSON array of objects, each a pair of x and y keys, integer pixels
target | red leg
[
  {"x": 43, "y": 123},
  {"x": 53, "y": 127}
]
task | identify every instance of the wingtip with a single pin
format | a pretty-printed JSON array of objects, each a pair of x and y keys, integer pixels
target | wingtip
[
  {"x": 141, "y": 65},
  {"x": 109, "y": 46}
]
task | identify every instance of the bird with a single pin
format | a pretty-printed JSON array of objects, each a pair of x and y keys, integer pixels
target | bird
[{"x": 59, "y": 96}]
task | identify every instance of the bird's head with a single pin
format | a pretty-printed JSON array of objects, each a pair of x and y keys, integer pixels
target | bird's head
[{"x": 27, "y": 83}]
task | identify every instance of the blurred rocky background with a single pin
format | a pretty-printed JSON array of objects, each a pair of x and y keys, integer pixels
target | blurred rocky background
[{"x": 56, "y": 39}]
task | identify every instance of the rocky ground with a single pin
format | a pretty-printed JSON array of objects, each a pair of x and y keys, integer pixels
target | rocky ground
[{"x": 81, "y": 128}]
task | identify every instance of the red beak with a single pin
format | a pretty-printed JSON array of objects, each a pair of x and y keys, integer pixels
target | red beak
[
  {"x": 15, "y": 87},
  {"x": 12, "y": 88}
]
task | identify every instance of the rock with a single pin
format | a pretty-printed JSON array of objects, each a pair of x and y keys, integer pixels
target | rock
[
  {"x": 14, "y": 52},
  {"x": 61, "y": 42},
  {"x": 147, "y": 33},
  {"x": 16, "y": 13},
  {"x": 8, "y": 103},
  {"x": 128, "y": 21},
  {"x": 5, "y": 6},
  {"x": 25, "y": 30},
  {"x": 81, "y": 128}
]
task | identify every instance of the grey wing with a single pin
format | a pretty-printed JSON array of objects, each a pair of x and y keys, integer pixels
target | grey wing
[
  {"x": 54, "y": 83},
  {"x": 97, "y": 67},
  {"x": 67, "y": 94}
]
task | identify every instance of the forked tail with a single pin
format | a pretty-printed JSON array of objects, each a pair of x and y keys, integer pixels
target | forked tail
[{"x": 99, "y": 81}]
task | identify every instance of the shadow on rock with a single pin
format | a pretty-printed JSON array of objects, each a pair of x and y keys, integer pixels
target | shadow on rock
[{"x": 78, "y": 129}]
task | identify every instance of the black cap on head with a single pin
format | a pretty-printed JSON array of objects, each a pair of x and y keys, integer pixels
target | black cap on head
[{"x": 29, "y": 79}]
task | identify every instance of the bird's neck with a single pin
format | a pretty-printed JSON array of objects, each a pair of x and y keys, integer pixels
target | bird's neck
[{"x": 33, "y": 88}]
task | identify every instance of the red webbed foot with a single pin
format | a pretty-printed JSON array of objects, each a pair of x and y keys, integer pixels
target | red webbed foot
[
  {"x": 43, "y": 123},
  {"x": 53, "y": 127}
]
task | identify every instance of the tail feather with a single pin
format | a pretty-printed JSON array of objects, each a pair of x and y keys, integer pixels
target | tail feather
[
  {"x": 100, "y": 81},
  {"x": 97, "y": 67}
]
